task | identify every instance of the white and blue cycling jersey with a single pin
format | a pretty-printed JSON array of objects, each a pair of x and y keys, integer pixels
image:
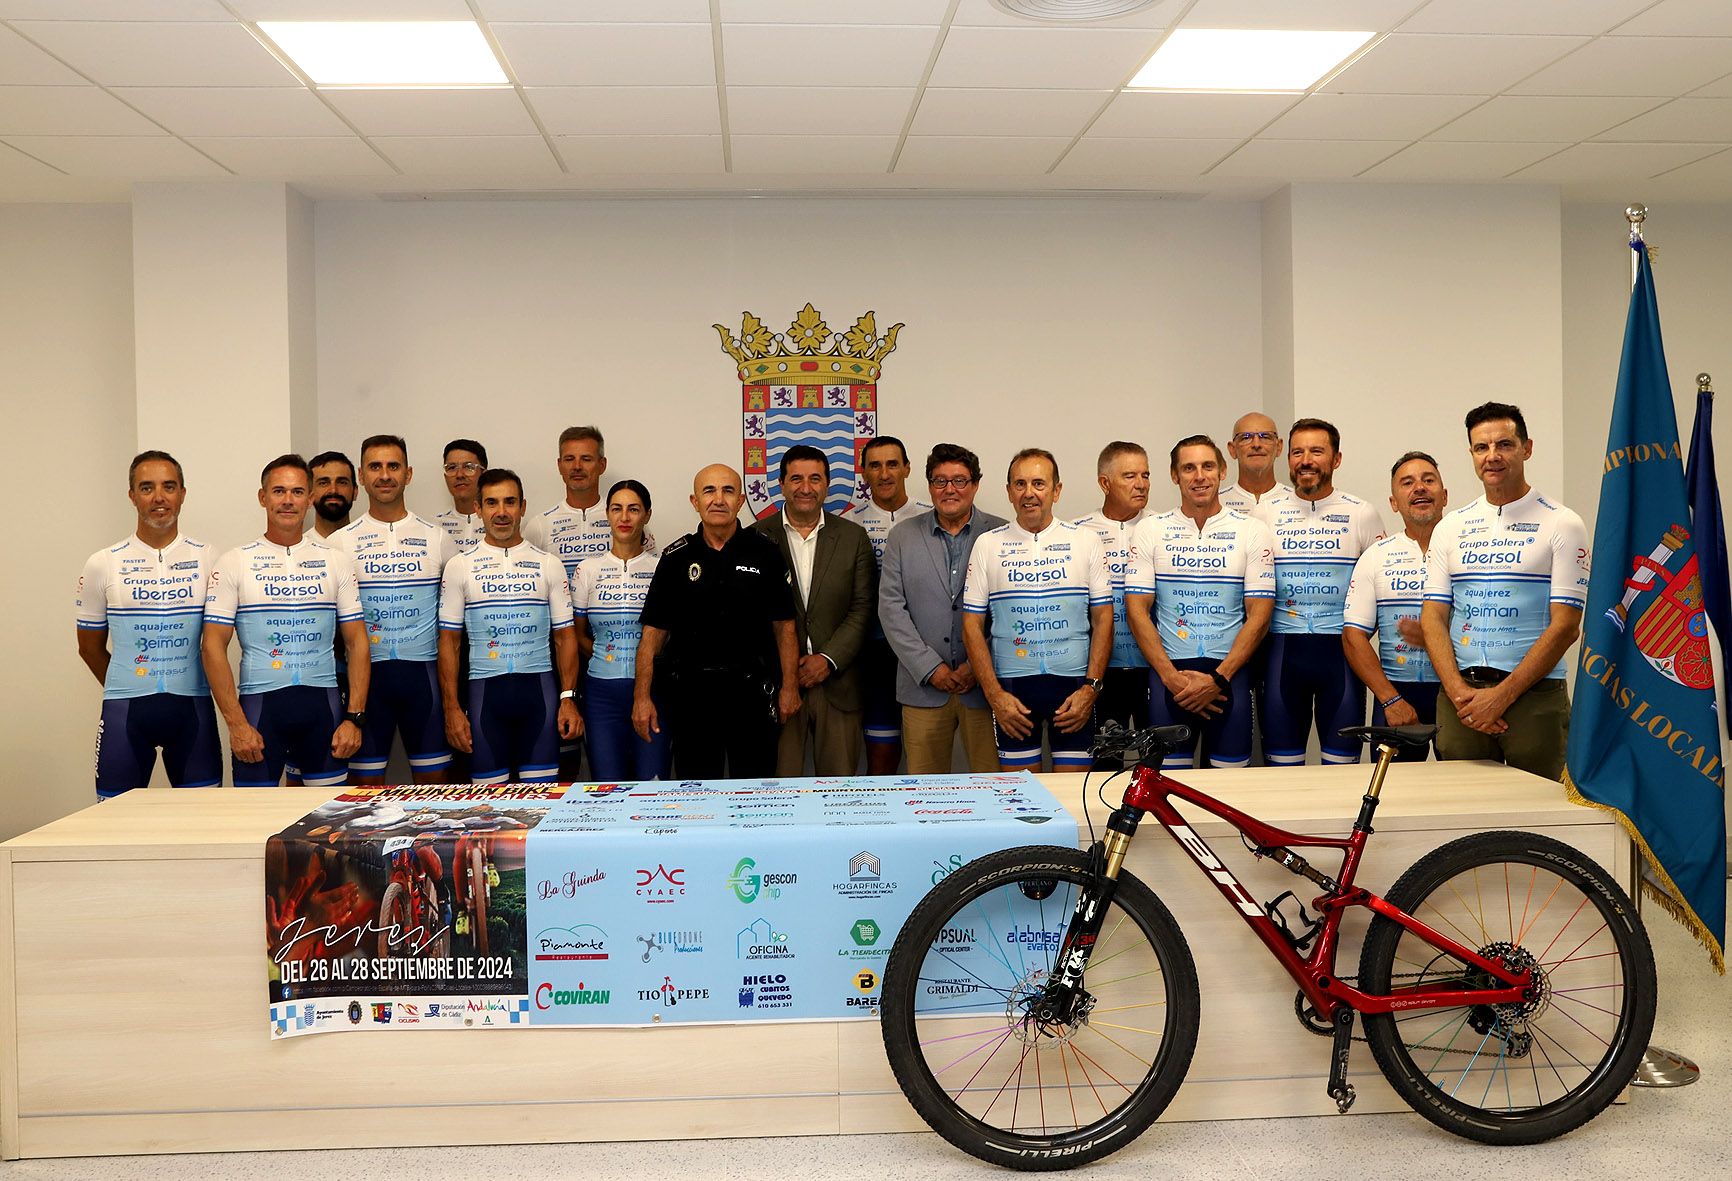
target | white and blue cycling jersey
[
  {"x": 1500, "y": 568},
  {"x": 609, "y": 594},
  {"x": 1389, "y": 586},
  {"x": 574, "y": 535},
  {"x": 1200, "y": 578},
  {"x": 151, "y": 603},
  {"x": 464, "y": 529},
  {"x": 1037, "y": 589},
  {"x": 1116, "y": 545},
  {"x": 1236, "y": 499},
  {"x": 286, "y": 604},
  {"x": 1317, "y": 543},
  {"x": 509, "y": 602},
  {"x": 397, "y": 567},
  {"x": 878, "y": 522}
]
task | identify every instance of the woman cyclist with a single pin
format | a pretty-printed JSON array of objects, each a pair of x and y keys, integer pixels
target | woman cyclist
[{"x": 608, "y": 596}]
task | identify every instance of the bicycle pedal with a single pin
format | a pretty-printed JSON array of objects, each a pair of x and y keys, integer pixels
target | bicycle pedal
[{"x": 1344, "y": 1099}]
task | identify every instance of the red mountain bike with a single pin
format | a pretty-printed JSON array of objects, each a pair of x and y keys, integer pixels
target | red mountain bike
[{"x": 1040, "y": 1005}]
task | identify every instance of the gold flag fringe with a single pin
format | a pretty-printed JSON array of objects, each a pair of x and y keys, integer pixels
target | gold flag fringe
[{"x": 1665, "y": 891}]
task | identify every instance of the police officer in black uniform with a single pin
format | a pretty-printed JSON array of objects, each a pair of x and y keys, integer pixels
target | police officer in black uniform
[{"x": 718, "y": 630}]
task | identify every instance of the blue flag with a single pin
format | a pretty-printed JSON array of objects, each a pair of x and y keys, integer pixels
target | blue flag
[
  {"x": 1644, "y": 739},
  {"x": 1710, "y": 528}
]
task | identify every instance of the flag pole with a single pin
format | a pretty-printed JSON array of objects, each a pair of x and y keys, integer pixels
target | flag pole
[{"x": 1659, "y": 1067}]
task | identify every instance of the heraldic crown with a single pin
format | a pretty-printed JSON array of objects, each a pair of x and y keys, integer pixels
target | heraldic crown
[{"x": 808, "y": 351}]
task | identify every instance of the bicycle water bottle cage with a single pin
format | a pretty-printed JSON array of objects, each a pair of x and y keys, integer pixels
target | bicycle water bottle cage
[{"x": 1312, "y": 924}]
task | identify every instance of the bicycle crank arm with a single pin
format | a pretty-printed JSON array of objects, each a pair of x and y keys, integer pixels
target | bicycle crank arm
[{"x": 1340, "y": 1089}]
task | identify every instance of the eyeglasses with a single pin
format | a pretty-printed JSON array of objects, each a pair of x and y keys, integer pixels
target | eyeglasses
[
  {"x": 471, "y": 467},
  {"x": 957, "y": 482},
  {"x": 1249, "y": 436}
]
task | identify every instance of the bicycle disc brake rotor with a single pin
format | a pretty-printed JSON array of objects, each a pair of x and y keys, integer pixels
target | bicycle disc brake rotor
[
  {"x": 1509, "y": 1023},
  {"x": 1023, "y": 1012}
]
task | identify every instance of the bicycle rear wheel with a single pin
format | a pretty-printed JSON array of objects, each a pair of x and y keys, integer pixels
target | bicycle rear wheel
[
  {"x": 1522, "y": 1073},
  {"x": 963, "y": 976}
]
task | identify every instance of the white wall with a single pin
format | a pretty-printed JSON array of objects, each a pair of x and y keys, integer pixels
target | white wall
[
  {"x": 66, "y": 382},
  {"x": 1056, "y": 323}
]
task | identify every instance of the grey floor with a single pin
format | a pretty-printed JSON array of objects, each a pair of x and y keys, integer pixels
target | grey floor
[{"x": 1669, "y": 1133}]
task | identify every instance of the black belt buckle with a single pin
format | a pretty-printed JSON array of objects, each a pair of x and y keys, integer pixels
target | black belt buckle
[{"x": 1482, "y": 676}]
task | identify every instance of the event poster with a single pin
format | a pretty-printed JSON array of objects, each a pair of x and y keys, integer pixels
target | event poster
[
  {"x": 402, "y": 906},
  {"x": 623, "y": 903}
]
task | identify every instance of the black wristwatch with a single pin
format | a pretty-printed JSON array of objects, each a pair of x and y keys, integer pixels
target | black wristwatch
[
  {"x": 1222, "y": 682},
  {"x": 1096, "y": 684},
  {"x": 357, "y": 718}
]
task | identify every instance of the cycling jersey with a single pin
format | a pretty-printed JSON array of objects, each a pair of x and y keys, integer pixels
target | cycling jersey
[
  {"x": 877, "y": 522},
  {"x": 509, "y": 602},
  {"x": 609, "y": 593},
  {"x": 151, "y": 603},
  {"x": 574, "y": 535},
  {"x": 464, "y": 529},
  {"x": 1500, "y": 568},
  {"x": 1316, "y": 545},
  {"x": 1200, "y": 578},
  {"x": 1037, "y": 589},
  {"x": 1116, "y": 545},
  {"x": 286, "y": 604},
  {"x": 1388, "y": 586},
  {"x": 397, "y": 568},
  {"x": 1236, "y": 499}
]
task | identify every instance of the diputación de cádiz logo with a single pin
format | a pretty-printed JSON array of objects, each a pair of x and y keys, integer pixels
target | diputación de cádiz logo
[
  {"x": 807, "y": 385},
  {"x": 1672, "y": 630}
]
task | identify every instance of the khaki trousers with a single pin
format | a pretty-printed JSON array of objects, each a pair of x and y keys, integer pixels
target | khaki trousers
[
  {"x": 1539, "y": 732},
  {"x": 834, "y": 735},
  {"x": 929, "y": 733}
]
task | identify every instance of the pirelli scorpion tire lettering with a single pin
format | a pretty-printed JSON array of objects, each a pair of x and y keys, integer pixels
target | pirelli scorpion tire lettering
[
  {"x": 958, "y": 1026},
  {"x": 1521, "y": 1073}
]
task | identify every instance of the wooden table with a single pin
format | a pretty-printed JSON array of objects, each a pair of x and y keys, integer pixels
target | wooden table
[{"x": 132, "y": 999}]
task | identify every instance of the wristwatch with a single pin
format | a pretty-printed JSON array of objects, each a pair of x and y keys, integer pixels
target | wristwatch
[
  {"x": 358, "y": 718},
  {"x": 1221, "y": 682},
  {"x": 568, "y": 694},
  {"x": 1096, "y": 684}
]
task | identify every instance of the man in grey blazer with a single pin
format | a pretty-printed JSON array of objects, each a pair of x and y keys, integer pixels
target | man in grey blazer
[
  {"x": 920, "y": 607},
  {"x": 833, "y": 576}
]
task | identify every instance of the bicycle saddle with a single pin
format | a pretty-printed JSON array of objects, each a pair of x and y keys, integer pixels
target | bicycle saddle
[{"x": 1393, "y": 735}]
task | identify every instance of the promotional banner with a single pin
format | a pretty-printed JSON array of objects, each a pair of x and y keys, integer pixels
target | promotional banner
[{"x": 626, "y": 904}]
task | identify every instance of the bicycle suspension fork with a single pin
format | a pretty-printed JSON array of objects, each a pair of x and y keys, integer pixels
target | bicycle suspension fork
[{"x": 1063, "y": 1002}]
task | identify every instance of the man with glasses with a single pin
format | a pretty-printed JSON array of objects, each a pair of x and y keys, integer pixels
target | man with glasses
[
  {"x": 925, "y": 565},
  {"x": 1506, "y": 585},
  {"x": 884, "y": 470},
  {"x": 1255, "y": 445},
  {"x": 465, "y": 460}
]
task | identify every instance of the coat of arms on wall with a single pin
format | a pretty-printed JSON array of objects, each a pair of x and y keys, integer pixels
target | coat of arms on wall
[{"x": 807, "y": 385}]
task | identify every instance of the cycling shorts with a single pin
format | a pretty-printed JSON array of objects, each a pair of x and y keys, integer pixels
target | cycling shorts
[
  {"x": 1306, "y": 681},
  {"x": 132, "y": 728},
  {"x": 1043, "y": 693},
  {"x": 296, "y": 723},
  {"x": 403, "y": 697},
  {"x": 1225, "y": 737},
  {"x": 513, "y": 726}
]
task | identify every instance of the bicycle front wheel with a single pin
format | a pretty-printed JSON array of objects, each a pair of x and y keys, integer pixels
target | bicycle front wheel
[
  {"x": 1518, "y": 1073},
  {"x": 957, "y": 1013}
]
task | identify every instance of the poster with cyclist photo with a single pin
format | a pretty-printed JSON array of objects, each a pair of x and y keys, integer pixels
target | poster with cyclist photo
[{"x": 401, "y": 907}]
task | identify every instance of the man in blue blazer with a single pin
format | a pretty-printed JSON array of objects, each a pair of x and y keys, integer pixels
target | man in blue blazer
[{"x": 920, "y": 607}]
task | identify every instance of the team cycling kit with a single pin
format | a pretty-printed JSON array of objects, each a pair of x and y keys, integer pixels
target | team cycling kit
[
  {"x": 1305, "y": 677},
  {"x": 508, "y": 603},
  {"x": 398, "y": 565},
  {"x": 466, "y": 530},
  {"x": 609, "y": 595},
  {"x": 1036, "y": 591},
  {"x": 1200, "y": 578},
  {"x": 1388, "y": 588},
  {"x": 151, "y": 604},
  {"x": 287, "y": 604},
  {"x": 1125, "y": 698}
]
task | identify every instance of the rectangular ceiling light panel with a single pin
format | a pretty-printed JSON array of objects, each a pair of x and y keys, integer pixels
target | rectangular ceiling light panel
[
  {"x": 403, "y": 54},
  {"x": 1246, "y": 59}
]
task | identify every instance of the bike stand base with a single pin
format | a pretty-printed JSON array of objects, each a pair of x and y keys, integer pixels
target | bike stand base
[{"x": 1665, "y": 1068}]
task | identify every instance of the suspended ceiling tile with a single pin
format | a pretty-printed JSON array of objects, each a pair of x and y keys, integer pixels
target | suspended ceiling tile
[
  {"x": 1006, "y": 112},
  {"x": 595, "y": 54},
  {"x": 296, "y": 157},
  {"x": 507, "y": 156},
  {"x": 1305, "y": 159},
  {"x": 1434, "y": 63},
  {"x": 979, "y": 155},
  {"x": 1684, "y": 120},
  {"x": 832, "y": 110},
  {"x": 1623, "y": 162},
  {"x": 1105, "y": 156},
  {"x": 834, "y": 155},
  {"x": 805, "y": 12},
  {"x": 434, "y": 112},
  {"x": 68, "y": 110},
  {"x": 1438, "y": 161},
  {"x": 1174, "y": 115},
  {"x": 1056, "y": 58},
  {"x": 641, "y": 154},
  {"x": 1567, "y": 17},
  {"x": 235, "y": 110},
  {"x": 598, "y": 11},
  {"x": 826, "y": 55},
  {"x": 22, "y": 64},
  {"x": 134, "y": 53},
  {"x": 1543, "y": 119},
  {"x": 115, "y": 157},
  {"x": 1372, "y": 16},
  {"x": 1370, "y": 116},
  {"x": 1639, "y": 66},
  {"x": 1682, "y": 18},
  {"x": 980, "y": 12},
  {"x": 627, "y": 110}
]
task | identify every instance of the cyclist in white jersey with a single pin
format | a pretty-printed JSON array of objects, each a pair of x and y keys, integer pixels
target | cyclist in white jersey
[
  {"x": 885, "y": 468},
  {"x": 1042, "y": 587},
  {"x": 512, "y": 604},
  {"x": 1122, "y": 470},
  {"x": 399, "y": 558},
  {"x": 465, "y": 460},
  {"x": 1319, "y": 535},
  {"x": 1506, "y": 584},
  {"x": 1199, "y": 593},
  {"x": 145, "y": 596},
  {"x": 1384, "y": 598},
  {"x": 607, "y": 600},
  {"x": 288, "y": 596},
  {"x": 1254, "y": 444}
]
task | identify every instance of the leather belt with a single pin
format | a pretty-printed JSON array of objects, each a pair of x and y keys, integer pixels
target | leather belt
[{"x": 1482, "y": 676}]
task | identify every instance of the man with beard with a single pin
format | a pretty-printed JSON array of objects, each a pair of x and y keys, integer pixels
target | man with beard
[
  {"x": 333, "y": 491},
  {"x": 1506, "y": 584},
  {"x": 1384, "y": 599},
  {"x": 1319, "y": 535},
  {"x": 1123, "y": 474},
  {"x": 465, "y": 460},
  {"x": 1254, "y": 444}
]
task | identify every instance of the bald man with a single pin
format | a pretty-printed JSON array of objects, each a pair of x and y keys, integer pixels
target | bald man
[
  {"x": 1255, "y": 446},
  {"x": 720, "y": 615}
]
